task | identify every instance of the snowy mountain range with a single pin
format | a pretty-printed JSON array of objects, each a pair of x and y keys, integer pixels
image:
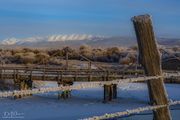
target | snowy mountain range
[
  {"x": 76, "y": 40},
  {"x": 52, "y": 38}
]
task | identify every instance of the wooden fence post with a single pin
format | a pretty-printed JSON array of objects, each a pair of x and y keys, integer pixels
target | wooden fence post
[
  {"x": 3, "y": 85},
  {"x": 17, "y": 83},
  {"x": 30, "y": 82},
  {"x": 67, "y": 57},
  {"x": 107, "y": 93},
  {"x": 1, "y": 73},
  {"x": 110, "y": 91},
  {"x": 149, "y": 57},
  {"x": 114, "y": 91},
  {"x": 22, "y": 83},
  {"x": 59, "y": 82},
  {"x": 89, "y": 71},
  {"x": 67, "y": 93}
]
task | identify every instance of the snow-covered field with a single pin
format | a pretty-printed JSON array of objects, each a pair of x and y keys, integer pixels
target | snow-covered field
[{"x": 84, "y": 103}]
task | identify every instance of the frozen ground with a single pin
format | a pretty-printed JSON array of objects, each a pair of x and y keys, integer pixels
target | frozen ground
[{"x": 84, "y": 103}]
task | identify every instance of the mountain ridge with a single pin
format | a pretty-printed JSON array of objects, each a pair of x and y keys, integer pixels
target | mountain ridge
[{"x": 76, "y": 40}]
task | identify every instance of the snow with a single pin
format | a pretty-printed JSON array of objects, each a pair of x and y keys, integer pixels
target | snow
[
  {"x": 51, "y": 38},
  {"x": 85, "y": 103},
  {"x": 84, "y": 66}
]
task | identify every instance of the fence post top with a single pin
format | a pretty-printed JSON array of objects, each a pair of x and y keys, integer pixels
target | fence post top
[{"x": 141, "y": 18}]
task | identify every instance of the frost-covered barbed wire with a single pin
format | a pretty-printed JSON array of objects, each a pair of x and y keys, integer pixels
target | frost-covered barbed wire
[
  {"x": 84, "y": 85},
  {"x": 132, "y": 111},
  {"x": 49, "y": 89}
]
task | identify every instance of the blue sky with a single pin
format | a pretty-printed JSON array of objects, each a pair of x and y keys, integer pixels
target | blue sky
[{"x": 25, "y": 18}]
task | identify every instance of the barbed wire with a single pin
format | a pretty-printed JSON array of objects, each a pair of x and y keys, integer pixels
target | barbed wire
[
  {"x": 132, "y": 111},
  {"x": 84, "y": 85}
]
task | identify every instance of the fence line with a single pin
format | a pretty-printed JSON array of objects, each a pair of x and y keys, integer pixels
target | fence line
[
  {"x": 84, "y": 85},
  {"x": 132, "y": 111}
]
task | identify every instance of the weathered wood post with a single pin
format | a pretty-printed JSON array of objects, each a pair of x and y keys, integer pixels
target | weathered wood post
[
  {"x": 44, "y": 73},
  {"x": 89, "y": 65},
  {"x": 149, "y": 57},
  {"x": 16, "y": 83},
  {"x": 89, "y": 76},
  {"x": 59, "y": 82},
  {"x": 29, "y": 82},
  {"x": 2, "y": 85},
  {"x": 110, "y": 91},
  {"x": 67, "y": 57},
  {"x": 67, "y": 93},
  {"x": 107, "y": 96},
  {"x": 1, "y": 73},
  {"x": 89, "y": 71},
  {"x": 107, "y": 93},
  {"x": 114, "y": 91},
  {"x": 22, "y": 83}
]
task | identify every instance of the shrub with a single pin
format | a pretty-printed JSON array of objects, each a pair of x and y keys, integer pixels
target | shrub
[
  {"x": 85, "y": 50},
  {"x": 42, "y": 58},
  {"x": 25, "y": 58},
  {"x": 55, "y": 61}
]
